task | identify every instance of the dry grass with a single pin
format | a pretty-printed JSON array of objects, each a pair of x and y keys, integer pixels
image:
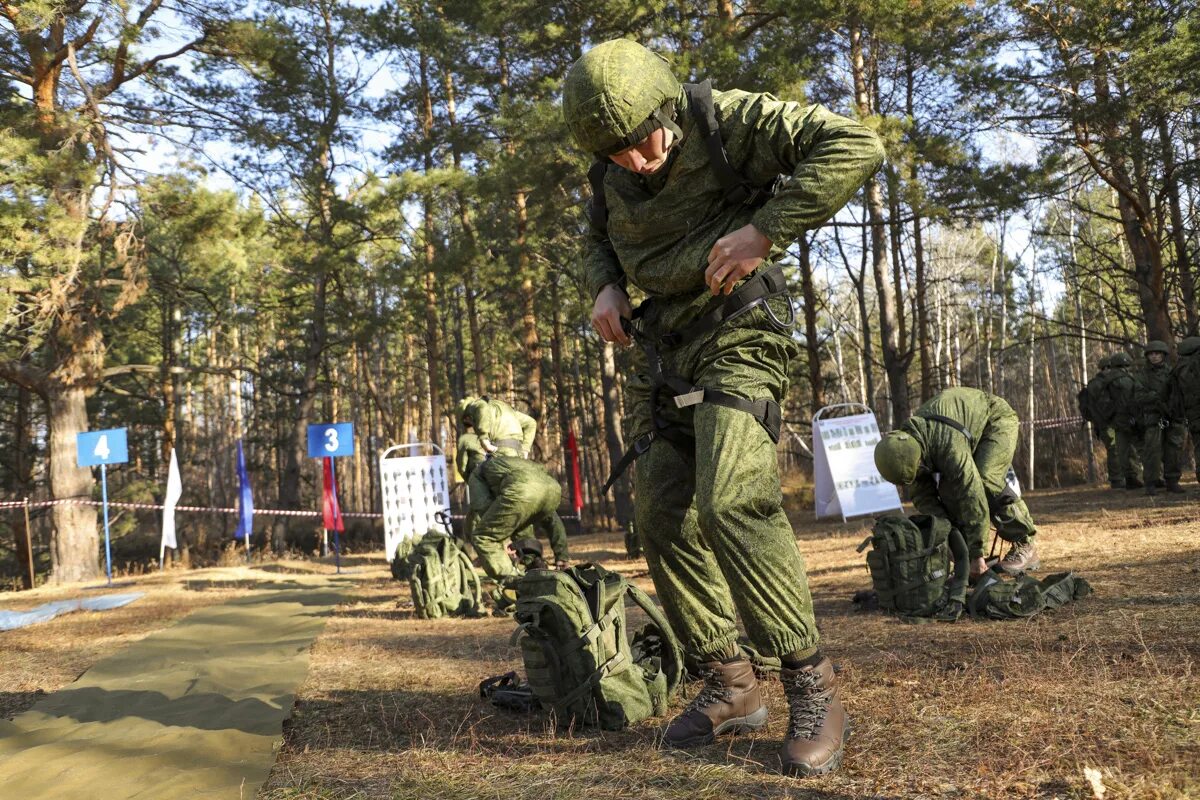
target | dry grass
[{"x": 1020, "y": 710}]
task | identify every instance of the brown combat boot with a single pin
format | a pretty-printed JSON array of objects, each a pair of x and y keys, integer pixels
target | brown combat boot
[
  {"x": 1022, "y": 557},
  {"x": 729, "y": 702},
  {"x": 817, "y": 722}
]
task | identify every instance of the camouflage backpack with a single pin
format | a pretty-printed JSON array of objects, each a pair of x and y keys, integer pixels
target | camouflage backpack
[
  {"x": 576, "y": 646},
  {"x": 442, "y": 579},
  {"x": 996, "y": 598},
  {"x": 919, "y": 566}
]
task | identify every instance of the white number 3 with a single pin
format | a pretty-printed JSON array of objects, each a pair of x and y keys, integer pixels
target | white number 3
[{"x": 331, "y": 443}]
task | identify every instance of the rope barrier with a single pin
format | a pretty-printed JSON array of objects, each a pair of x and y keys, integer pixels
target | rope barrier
[{"x": 280, "y": 512}]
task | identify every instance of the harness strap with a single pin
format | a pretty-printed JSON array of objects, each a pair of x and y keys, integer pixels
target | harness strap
[
  {"x": 760, "y": 287},
  {"x": 958, "y": 426},
  {"x": 514, "y": 444},
  {"x": 738, "y": 190}
]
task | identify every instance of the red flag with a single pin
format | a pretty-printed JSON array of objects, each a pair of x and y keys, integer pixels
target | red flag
[
  {"x": 331, "y": 513},
  {"x": 573, "y": 449}
]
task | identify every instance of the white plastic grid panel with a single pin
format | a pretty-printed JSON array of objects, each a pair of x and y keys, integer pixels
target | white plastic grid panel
[{"x": 414, "y": 488}]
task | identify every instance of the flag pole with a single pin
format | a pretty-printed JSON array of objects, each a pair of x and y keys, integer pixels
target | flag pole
[{"x": 337, "y": 513}]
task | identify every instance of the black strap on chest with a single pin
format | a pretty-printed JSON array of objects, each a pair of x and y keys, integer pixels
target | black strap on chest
[
  {"x": 953, "y": 423},
  {"x": 766, "y": 284},
  {"x": 738, "y": 189}
]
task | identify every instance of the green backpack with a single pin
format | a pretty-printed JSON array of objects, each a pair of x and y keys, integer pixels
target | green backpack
[
  {"x": 919, "y": 566},
  {"x": 442, "y": 579},
  {"x": 577, "y": 649}
]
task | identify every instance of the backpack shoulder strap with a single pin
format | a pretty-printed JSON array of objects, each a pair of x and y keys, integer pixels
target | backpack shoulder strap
[
  {"x": 673, "y": 669},
  {"x": 953, "y": 423},
  {"x": 738, "y": 190},
  {"x": 598, "y": 210}
]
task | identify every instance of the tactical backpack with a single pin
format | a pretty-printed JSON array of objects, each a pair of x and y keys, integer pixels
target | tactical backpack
[
  {"x": 919, "y": 566},
  {"x": 580, "y": 659},
  {"x": 442, "y": 579}
]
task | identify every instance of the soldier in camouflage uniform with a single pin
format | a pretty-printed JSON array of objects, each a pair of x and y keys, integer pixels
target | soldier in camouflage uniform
[
  {"x": 1183, "y": 392},
  {"x": 1162, "y": 437},
  {"x": 712, "y": 362},
  {"x": 955, "y": 454},
  {"x": 508, "y": 494},
  {"x": 1101, "y": 412},
  {"x": 500, "y": 427},
  {"x": 1117, "y": 405}
]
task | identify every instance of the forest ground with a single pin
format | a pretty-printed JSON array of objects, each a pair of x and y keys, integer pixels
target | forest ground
[{"x": 390, "y": 708}]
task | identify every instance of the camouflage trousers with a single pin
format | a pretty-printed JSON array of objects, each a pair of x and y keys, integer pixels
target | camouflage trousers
[
  {"x": 515, "y": 509},
  {"x": 709, "y": 510},
  {"x": 1121, "y": 457},
  {"x": 993, "y": 457},
  {"x": 1162, "y": 450}
]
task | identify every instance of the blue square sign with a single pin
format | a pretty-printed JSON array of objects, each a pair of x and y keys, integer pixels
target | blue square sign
[
  {"x": 102, "y": 447},
  {"x": 331, "y": 440}
]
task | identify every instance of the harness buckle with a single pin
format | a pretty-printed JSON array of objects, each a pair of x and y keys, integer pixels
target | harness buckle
[{"x": 693, "y": 398}]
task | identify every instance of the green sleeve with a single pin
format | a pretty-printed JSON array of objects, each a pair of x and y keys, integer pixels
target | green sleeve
[
  {"x": 825, "y": 157},
  {"x": 600, "y": 264},
  {"x": 924, "y": 496},
  {"x": 528, "y": 430},
  {"x": 961, "y": 492}
]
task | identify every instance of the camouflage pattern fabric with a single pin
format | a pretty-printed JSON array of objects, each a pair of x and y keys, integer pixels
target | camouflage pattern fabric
[
  {"x": 469, "y": 453},
  {"x": 1101, "y": 412},
  {"x": 709, "y": 516},
  {"x": 708, "y": 508},
  {"x": 970, "y": 471},
  {"x": 1162, "y": 437},
  {"x": 1183, "y": 391},
  {"x": 508, "y": 494},
  {"x": 661, "y": 227},
  {"x": 497, "y": 424}
]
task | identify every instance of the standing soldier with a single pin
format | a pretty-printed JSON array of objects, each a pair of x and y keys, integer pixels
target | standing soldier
[
  {"x": 683, "y": 209},
  {"x": 1102, "y": 412},
  {"x": 1183, "y": 393},
  {"x": 1162, "y": 437},
  {"x": 956, "y": 453},
  {"x": 1117, "y": 405}
]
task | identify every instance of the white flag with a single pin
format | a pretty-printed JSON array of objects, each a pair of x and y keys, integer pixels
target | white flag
[{"x": 174, "y": 491}]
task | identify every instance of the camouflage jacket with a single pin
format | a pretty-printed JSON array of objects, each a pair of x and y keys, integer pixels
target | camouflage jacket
[
  {"x": 661, "y": 227},
  {"x": 957, "y": 493}
]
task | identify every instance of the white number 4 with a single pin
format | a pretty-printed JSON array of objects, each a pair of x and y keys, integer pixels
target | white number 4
[
  {"x": 102, "y": 450},
  {"x": 331, "y": 443}
]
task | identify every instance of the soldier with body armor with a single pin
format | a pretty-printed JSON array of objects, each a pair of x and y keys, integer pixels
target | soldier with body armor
[
  {"x": 696, "y": 193},
  {"x": 1108, "y": 396},
  {"x": 1183, "y": 392},
  {"x": 1162, "y": 436}
]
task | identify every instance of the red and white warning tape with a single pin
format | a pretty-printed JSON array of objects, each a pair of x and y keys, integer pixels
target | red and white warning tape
[
  {"x": 280, "y": 512},
  {"x": 1055, "y": 422}
]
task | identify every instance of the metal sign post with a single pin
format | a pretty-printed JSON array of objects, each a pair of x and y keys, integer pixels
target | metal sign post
[
  {"x": 101, "y": 448},
  {"x": 329, "y": 441}
]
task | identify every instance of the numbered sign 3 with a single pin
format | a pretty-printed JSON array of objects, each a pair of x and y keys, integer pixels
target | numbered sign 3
[
  {"x": 331, "y": 440},
  {"x": 102, "y": 447}
]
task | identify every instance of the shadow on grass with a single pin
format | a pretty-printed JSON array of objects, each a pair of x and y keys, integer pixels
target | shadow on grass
[{"x": 13, "y": 703}]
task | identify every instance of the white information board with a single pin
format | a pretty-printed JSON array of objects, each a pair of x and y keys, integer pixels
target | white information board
[
  {"x": 415, "y": 488},
  {"x": 846, "y": 480}
]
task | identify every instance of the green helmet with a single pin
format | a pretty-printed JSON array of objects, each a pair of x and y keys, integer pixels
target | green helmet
[
  {"x": 1157, "y": 346},
  {"x": 617, "y": 94},
  {"x": 897, "y": 457},
  {"x": 1106, "y": 362},
  {"x": 1189, "y": 346},
  {"x": 460, "y": 409},
  {"x": 1121, "y": 359}
]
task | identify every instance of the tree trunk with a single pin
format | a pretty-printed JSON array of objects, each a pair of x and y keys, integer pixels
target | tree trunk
[
  {"x": 23, "y": 474},
  {"x": 893, "y": 362},
  {"x": 812, "y": 343},
  {"x": 75, "y": 549},
  {"x": 613, "y": 438},
  {"x": 1183, "y": 263}
]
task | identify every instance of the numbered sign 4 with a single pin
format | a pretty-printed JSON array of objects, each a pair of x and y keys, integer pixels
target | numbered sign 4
[
  {"x": 331, "y": 440},
  {"x": 102, "y": 447}
]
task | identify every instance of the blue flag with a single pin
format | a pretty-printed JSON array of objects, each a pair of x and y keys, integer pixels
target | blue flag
[{"x": 245, "y": 498}]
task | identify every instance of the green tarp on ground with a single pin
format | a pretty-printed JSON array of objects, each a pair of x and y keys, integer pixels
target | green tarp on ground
[{"x": 192, "y": 711}]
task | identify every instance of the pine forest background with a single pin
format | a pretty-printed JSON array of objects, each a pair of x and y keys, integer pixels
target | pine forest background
[{"x": 222, "y": 221}]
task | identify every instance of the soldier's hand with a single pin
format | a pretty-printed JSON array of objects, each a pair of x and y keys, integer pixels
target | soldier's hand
[
  {"x": 734, "y": 257},
  {"x": 611, "y": 306},
  {"x": 978, "y": 567}
]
